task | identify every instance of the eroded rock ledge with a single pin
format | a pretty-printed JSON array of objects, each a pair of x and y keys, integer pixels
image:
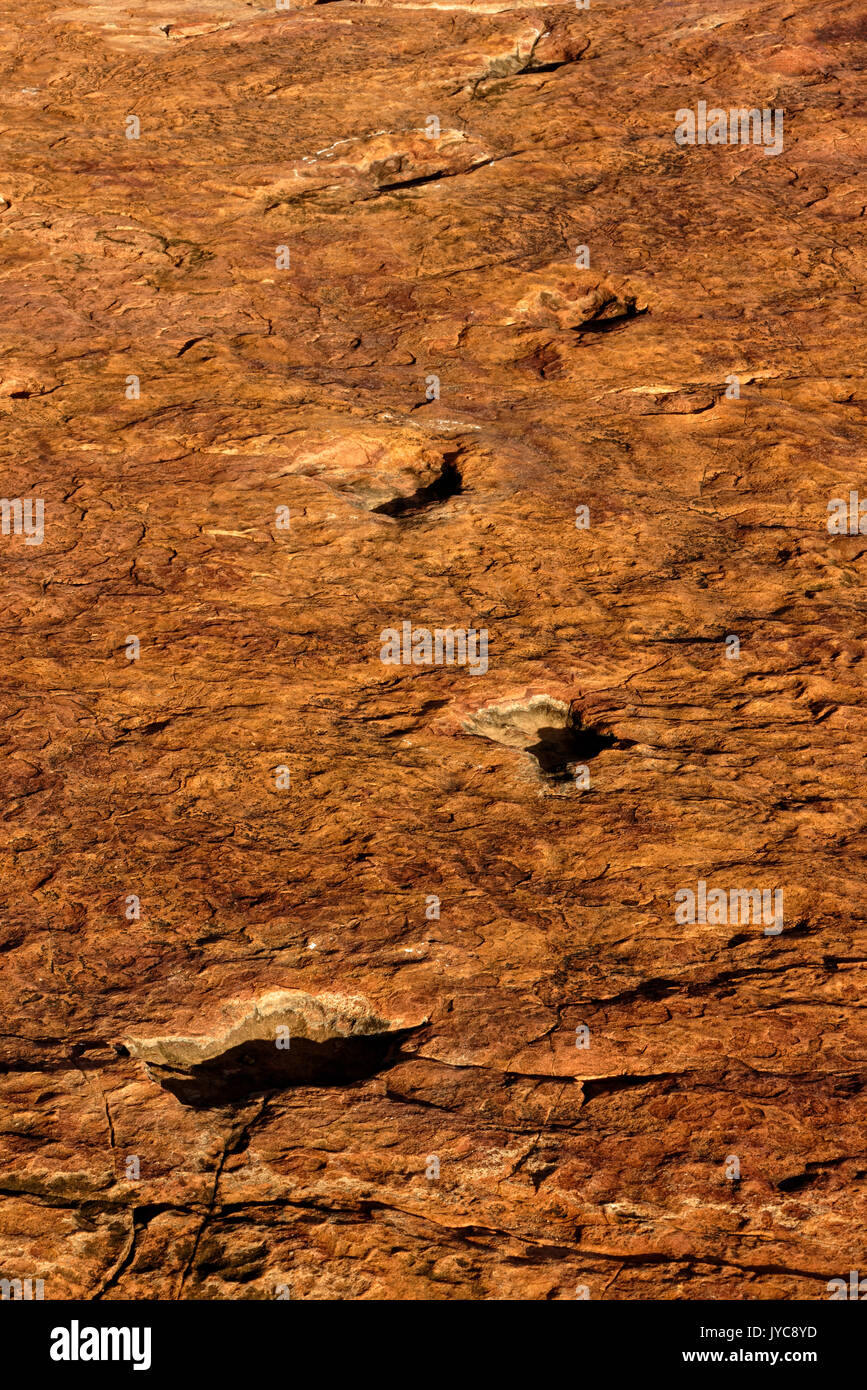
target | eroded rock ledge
[{"x": 286, "y": 1038}]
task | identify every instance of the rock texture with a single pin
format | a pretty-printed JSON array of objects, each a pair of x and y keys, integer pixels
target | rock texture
[{"x": 236, "y": 304}]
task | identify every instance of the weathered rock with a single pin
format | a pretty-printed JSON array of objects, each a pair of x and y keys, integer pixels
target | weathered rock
[{"x": 299, "y": 345}]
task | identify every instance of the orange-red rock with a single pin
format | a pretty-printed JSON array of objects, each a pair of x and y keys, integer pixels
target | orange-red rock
[{"x": 308, "y": 350}]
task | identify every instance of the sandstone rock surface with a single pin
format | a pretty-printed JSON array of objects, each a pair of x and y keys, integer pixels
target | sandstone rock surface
[{"x": 298, "y": 345}]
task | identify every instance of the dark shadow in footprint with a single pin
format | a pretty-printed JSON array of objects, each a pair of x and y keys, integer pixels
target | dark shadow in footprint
[
  {"x": 557, "y": 748},
  {"x": 258, "y": 1066},
  {"x": 448, "y": 484},
  {"x": 607, "y": 325}
]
